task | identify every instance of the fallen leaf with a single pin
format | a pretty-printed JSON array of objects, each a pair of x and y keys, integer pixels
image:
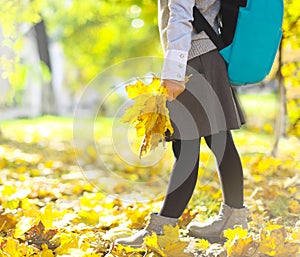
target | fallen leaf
[
  {"x": 46, "y": 252},
  {"x": 11, "y": 248},
  {"x": 23, "y": 225},
  {"x": 38, "y": 236},
  {"x": 274, "y": 243},
  {"x": 151, "y": 243},
  {"x": 170, "y": 235},
  {"x": 202, "y": 244},
  {"x": 7, "y": 221},
  {"x": 168, "y": 244}
]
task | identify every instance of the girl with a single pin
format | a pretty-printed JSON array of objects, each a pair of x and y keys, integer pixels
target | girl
[{"x": 205, "y": 107}]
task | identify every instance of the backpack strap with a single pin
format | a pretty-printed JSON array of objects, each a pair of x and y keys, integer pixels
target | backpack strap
[
  {"x": 201, "y": 24},
  {"x": 229, "y": 15}
]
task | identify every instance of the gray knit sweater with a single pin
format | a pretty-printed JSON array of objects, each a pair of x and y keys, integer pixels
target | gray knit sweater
[
  {"x": 200, "y": 42},
  {"x": 179, "y": 40}
]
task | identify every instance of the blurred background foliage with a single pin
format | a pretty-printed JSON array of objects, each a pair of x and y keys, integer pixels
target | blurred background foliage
[
  {"x": 93, "y": 34},
  {"x": 96, "y": 34},
  {"x": 291, "y": 63}
]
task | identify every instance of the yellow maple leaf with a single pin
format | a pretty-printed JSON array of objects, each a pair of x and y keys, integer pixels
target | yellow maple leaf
[
  {"x": 149, "y": 105},
  {"x": 89, "y": 217},
  {"x": 241, "y": 247},
  {"x": 122, "y": 250},
  {"x": 270, "y": 226},
  {"x": 296, "y": 234},
  {"x": 134, "y": 90},
  {"x": 67, "y": 241},
  {"x": 238, "y": 242},
  {"x": 46, "y": 252},
  {"x": 151, "y": 254},
  {"x": 7, "y": 221},
  {"x": 23, "y": 225},
  {"x": 274, "y": 242},
  {"x": 170, "y": 235},
  {"x": 11, "y": 248},
  {"x": 294, "y": 206},
  {"x": 202, "y": 244},
  {"x": 136, "y": 215},
  {"x": 48, "y": 215},
  {"x": 238, "y": 232},
  {"x": 148, "y": 113},
  {"x": 91, "y": 200},
  {"x": 167, "y": 244},
  {"x": 176, "y": 249},
  {"x": 151, "y": 243}
]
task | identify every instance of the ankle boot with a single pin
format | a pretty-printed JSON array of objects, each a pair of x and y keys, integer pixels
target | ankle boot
[
  {"x": 213, "y": 231},
  {"x": 155, "y": 224}
]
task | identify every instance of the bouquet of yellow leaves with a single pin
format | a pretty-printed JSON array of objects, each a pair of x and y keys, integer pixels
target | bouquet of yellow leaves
[{"x": 149, "y": 113}]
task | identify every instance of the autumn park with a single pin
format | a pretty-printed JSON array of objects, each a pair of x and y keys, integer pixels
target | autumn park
[{"x": 83, "y": 161}]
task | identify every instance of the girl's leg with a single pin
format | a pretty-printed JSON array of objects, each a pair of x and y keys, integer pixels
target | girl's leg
[
  {"x": 180, "y": 189},
  {"x": 183, "y": 178},
  {"x": 232, "y": 211},
  {"x": 229, "y": 167}
]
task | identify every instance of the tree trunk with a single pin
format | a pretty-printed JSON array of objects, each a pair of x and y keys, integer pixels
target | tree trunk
[
  {"x": 48, "y": 96},
  {"x": 281, "y": 120}
]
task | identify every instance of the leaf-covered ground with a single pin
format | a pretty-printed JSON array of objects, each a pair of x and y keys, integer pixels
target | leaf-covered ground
[{"x": 48, "y": 208}]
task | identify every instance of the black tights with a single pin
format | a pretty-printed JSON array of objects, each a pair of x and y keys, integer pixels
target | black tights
[{"x": 185, "y": 172}]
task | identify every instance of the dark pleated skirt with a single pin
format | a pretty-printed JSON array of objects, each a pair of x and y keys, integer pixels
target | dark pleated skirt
[{"x": 209, "y": 104}]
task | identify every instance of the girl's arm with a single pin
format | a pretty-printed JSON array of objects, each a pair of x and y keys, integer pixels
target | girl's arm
[{"x": 179, "y": 35}]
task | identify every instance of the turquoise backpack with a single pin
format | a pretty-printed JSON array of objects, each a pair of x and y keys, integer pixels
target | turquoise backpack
[{"x": 250, "y": 36}]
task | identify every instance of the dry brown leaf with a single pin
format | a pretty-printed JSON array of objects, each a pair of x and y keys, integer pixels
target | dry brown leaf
[{"x": 38, "y": 236}]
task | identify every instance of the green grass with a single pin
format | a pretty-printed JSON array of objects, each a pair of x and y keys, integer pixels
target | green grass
[
  {"x": 60, "y": 128},
  {"x": 260, "y": 110},
  {"x": 261, "y": 104},
  {"x": 47, "y": 126}
]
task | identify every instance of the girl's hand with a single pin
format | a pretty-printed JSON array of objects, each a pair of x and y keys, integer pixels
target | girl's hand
[{"x": 174, "y": 87}]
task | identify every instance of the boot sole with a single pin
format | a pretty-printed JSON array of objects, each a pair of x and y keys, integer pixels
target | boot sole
[{"x": 211, "y": 240}]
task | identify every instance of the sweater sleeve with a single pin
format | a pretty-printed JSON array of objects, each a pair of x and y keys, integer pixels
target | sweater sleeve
[{"x": 179, "y": 35}]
